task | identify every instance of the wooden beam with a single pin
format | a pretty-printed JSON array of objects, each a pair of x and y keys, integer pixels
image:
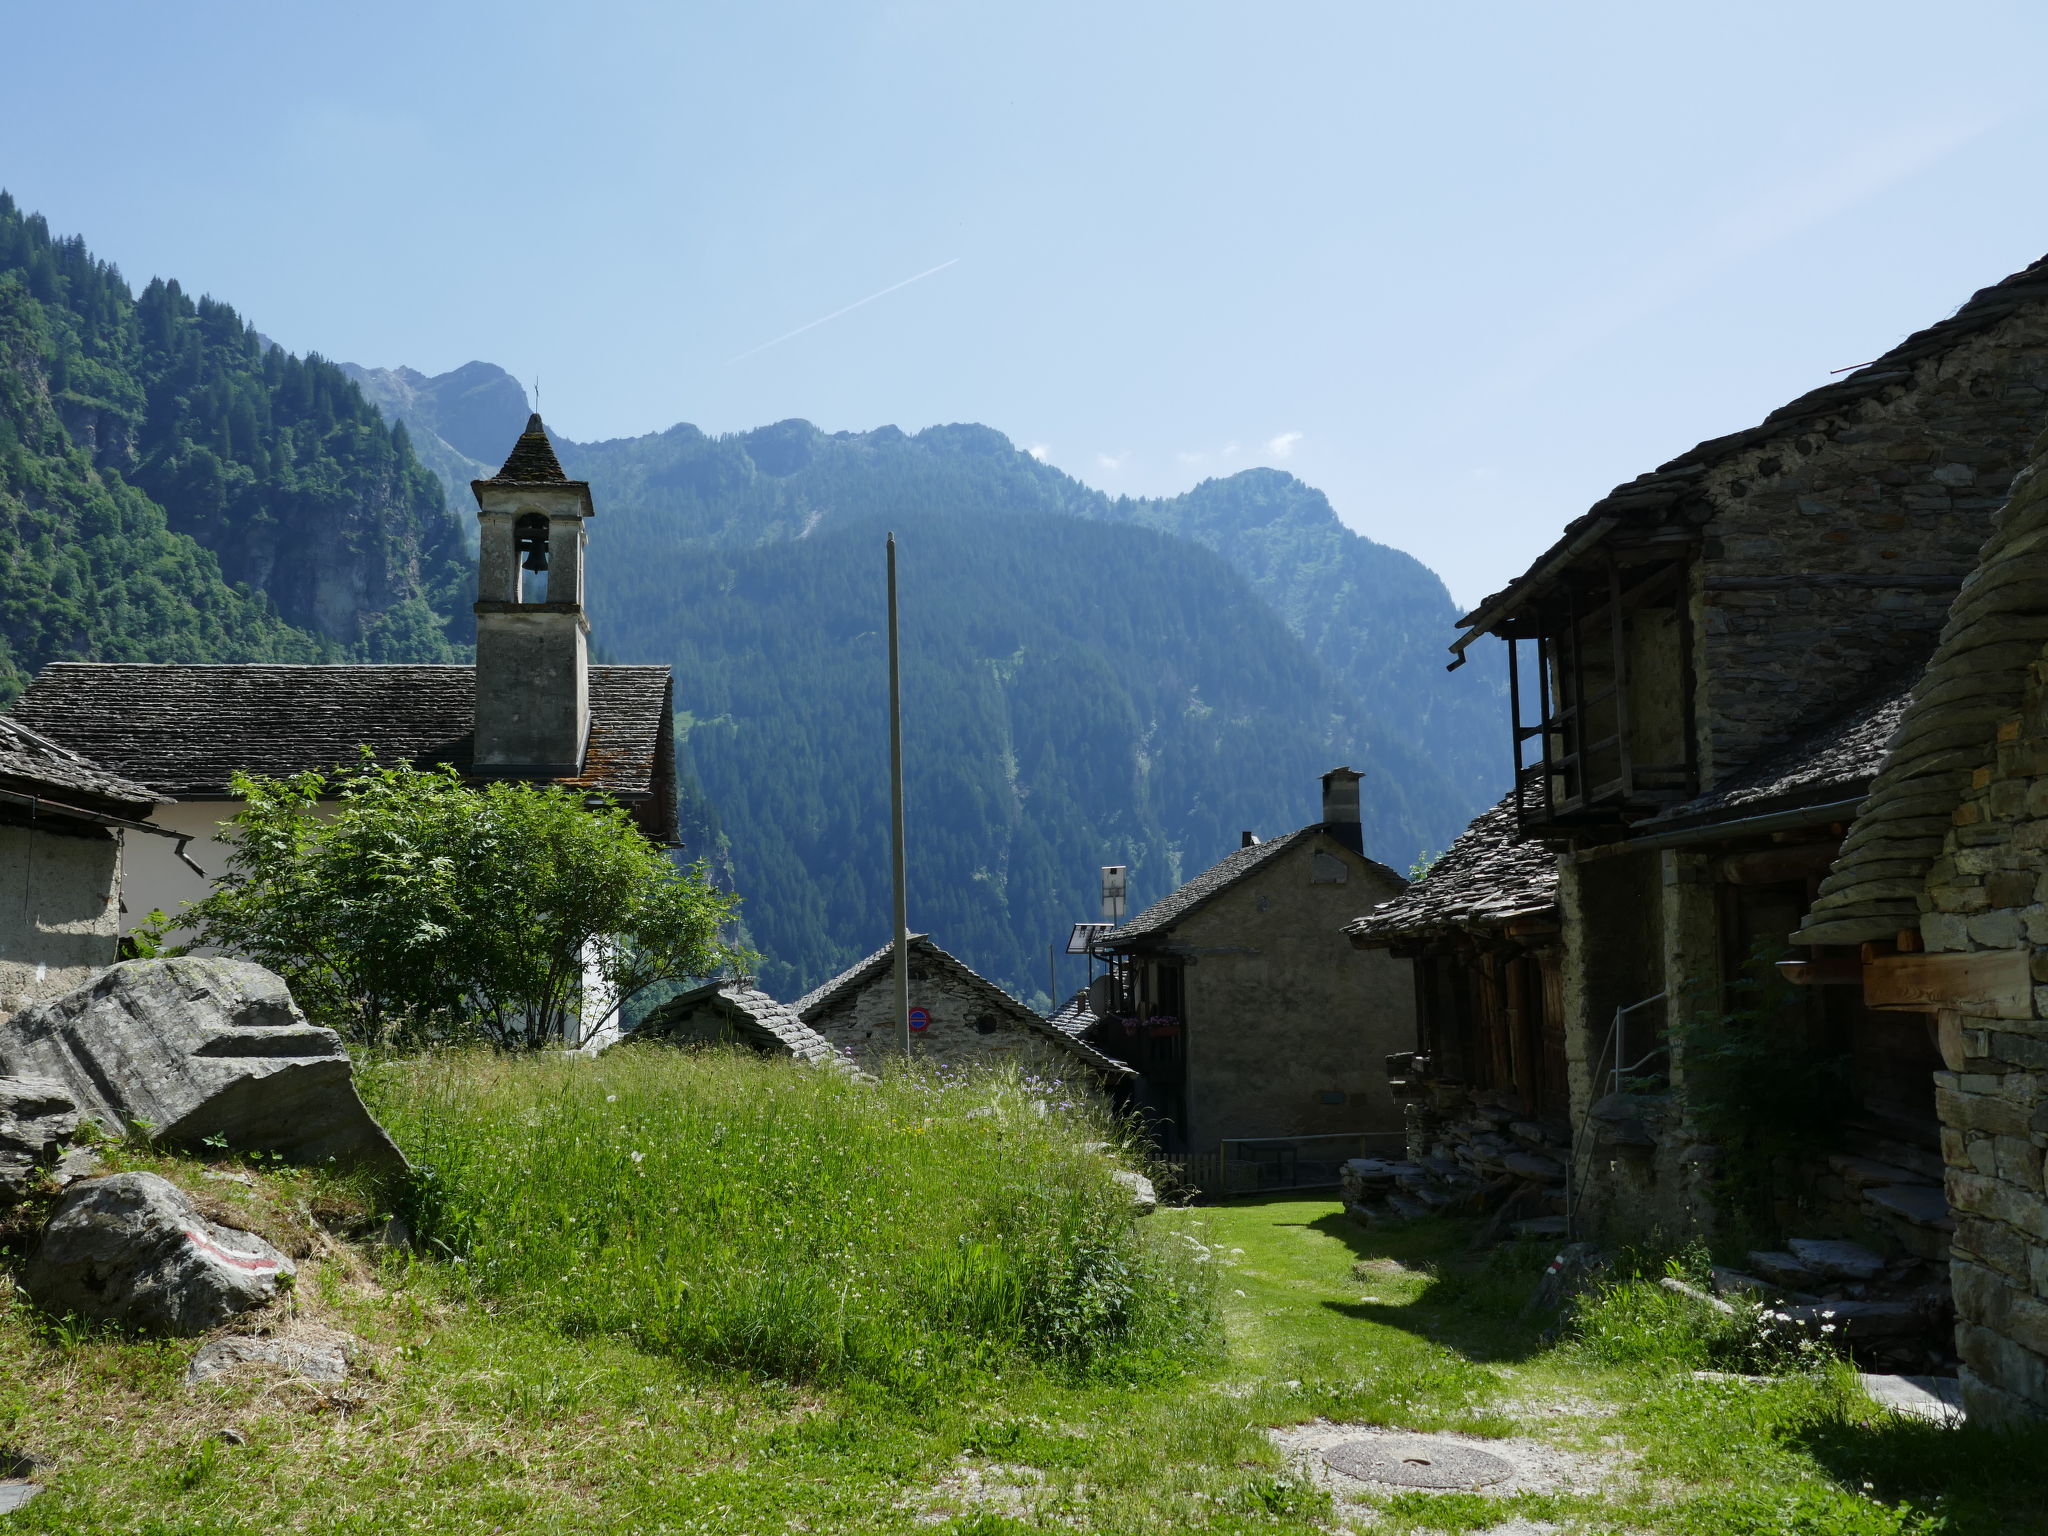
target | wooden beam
[
  {"x": 1779, "y": 866},
  {"x": 1990, "y": 983},
  {"x": 1846, "y": 972}
]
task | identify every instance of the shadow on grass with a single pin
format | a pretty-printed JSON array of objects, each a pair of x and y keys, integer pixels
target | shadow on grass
[
  {"x": 1980, "y": 1479},
  {"x": 1474, "y": 1302}
]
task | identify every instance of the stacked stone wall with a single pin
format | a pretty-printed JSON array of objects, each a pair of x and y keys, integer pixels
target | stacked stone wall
[
  {"x": 1828, "y": 545},
  {"x": 1989, "y": 892}
]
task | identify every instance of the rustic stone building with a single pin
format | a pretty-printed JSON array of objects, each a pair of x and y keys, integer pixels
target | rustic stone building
[
  {"x": 1681, "y": 663},
  {"x": 733, "y": 1013},
  {"x": 64, "y": 822},
  {"x": 1484, "y": 1092},
  {"x": 1247, "y": 1012},
  {"x": 1939, "y": 905},
  {"x": 531, "y": 708},
  {"x": 959, "y": 1019}
]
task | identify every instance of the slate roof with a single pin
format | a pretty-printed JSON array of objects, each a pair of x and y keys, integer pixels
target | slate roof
[
  {"x": 1483, "y": 878},
  {"x": 532, "y": 460},
  {"x": 183, "y": 730},
  {"x": 1074, "y": 1016},
  {"x": 1834, "y": 761},
  {"x": 1652, "y": 494},
  {"x": 1210, "y": 883},
  {"x": 32, "y": 764},
  {"x": 841, "y": 988},
  {"x": 1976, "y": 679},
  {"x": 754, "y": 1018}
]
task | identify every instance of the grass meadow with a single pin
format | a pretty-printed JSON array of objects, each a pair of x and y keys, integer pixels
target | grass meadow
[
  {"x": 801, "y": 1225},
  {"x": 810, "y": 1304}
]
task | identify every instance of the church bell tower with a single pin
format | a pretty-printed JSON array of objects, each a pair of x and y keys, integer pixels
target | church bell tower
[{"x": 532, "y": 637}]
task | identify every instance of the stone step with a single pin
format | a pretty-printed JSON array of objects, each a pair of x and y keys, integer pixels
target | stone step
[
  {"x": 1924, "y": 1205},
  {"x": 1861, "y": 1173},
  {"x": 1540, "y": 1226},
  {"x": 1837, "y": 1257},
  {"x": 1407, "y": 1209},
  {"x": 1939, "y": 1398},
  {"x": 1858, "y": 1321}
]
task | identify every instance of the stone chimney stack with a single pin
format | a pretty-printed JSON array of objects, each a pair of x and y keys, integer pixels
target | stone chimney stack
[
  {"x": 532, "y": 638},
  {"x": 1340, "y": 808}
]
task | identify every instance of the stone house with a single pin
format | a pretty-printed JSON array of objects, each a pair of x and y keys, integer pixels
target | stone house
[
  {"x": 1485, "y": 1094},
  {"x": 64, "y": 824},
  {"x": 532, "y": 707},
  {"x": 959, "y": 1019},
  {"x": 1938, "y": 906},
  {"x": 1245, "y": 1009},
  {"x": 733, "y": 1013},
  {"x": 1703, "y": 672}
]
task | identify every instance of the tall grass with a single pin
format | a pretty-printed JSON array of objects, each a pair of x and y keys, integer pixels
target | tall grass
[{"x": 787, "y": 1220}]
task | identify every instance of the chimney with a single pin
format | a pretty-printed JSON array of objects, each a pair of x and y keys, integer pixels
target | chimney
[
  {"x": 1248, "y": 839},
  {"x": 1340, "y": 808}
]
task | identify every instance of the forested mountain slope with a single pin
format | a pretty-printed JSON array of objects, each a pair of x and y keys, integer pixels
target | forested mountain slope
[
  {"x": 170, "y": 489},
  {"x": 723, "y": 557},
  {"x": 1047, "y": 731}
]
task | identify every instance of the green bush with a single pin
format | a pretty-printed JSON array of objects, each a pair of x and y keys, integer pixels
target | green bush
[{"x": 791, "y": 1221}]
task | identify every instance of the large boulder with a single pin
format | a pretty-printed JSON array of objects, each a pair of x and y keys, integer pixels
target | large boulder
[
  {"x": 193, "y": 1048},
  {"x": 132, "y": 1249},
  {"x": 37, "y": 1116}
]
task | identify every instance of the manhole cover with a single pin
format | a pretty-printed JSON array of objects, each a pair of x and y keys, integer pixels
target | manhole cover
[{"x": 1418, "y": 1463}]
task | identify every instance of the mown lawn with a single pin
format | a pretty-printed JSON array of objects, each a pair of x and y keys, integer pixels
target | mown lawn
[{"x": 474, "y": 1413}]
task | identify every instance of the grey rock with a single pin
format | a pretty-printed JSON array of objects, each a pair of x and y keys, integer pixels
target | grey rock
[
  {"x": 193, "y": 1048},
  {"x": 37, "y": 1117},
  {"x": 1533, "y": 1165},
  {"x": 77, "y": 1163},
  {"x": 319, "y": 1357},
  {"x": 132, "y": 1249},
  {"x": 1143, "y": 1195},
  {"x": 14, "y": 1494},
  {"x": 1835, "y": 1256}
]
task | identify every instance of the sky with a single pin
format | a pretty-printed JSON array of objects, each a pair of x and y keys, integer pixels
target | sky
[{"x": 1462, "y": 266}]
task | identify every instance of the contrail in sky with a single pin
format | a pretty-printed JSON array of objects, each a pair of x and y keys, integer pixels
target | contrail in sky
[{"x": 856, "y": 304}]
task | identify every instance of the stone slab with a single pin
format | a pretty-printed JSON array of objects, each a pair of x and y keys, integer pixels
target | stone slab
[
  {"x": 1836, "y": 1256},
  {"x": 1939, "y": 1398},
  {"x": 15, "y": 1494},
  {"x": 1924, "y": 1205},
  {"x": 1418, "y": 1461}
]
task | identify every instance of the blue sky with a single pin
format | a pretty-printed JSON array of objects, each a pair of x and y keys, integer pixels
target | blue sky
[{"x": 1462, "y": 266}]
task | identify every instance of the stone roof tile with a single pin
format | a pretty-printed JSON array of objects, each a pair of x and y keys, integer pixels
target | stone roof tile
[
  {"x": 532, "y": 460},
  {"x": 1210, "y": 883},
  {"x": 754, "y": 1017},
  {"x": 184, "y": 730},
  {"x": 31, "y": 763},
  {"x": 1484, "y": 878}
]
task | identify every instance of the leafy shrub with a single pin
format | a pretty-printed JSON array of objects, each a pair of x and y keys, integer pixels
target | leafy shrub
[{"x": 787, "y": 1220}]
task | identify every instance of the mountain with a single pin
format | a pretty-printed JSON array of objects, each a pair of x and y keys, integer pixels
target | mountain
[
  {"x": 1088, "y": 680},
  {"x": 173, "y": 490}
]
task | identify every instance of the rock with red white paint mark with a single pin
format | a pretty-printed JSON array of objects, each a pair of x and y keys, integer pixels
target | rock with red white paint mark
[{"x": 132, "y": 1249}]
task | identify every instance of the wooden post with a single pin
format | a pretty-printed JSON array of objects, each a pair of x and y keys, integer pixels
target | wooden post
[{"x": 902, "y": 966}]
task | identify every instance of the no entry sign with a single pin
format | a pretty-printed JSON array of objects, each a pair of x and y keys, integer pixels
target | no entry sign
[{"x": 920, "y": 1020}]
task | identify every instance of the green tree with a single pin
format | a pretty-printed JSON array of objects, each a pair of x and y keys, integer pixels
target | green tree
[{"x": 412, "y": 908}]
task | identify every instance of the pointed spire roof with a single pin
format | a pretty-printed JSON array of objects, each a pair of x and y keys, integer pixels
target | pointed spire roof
[{"x": 532, "y": 460}]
